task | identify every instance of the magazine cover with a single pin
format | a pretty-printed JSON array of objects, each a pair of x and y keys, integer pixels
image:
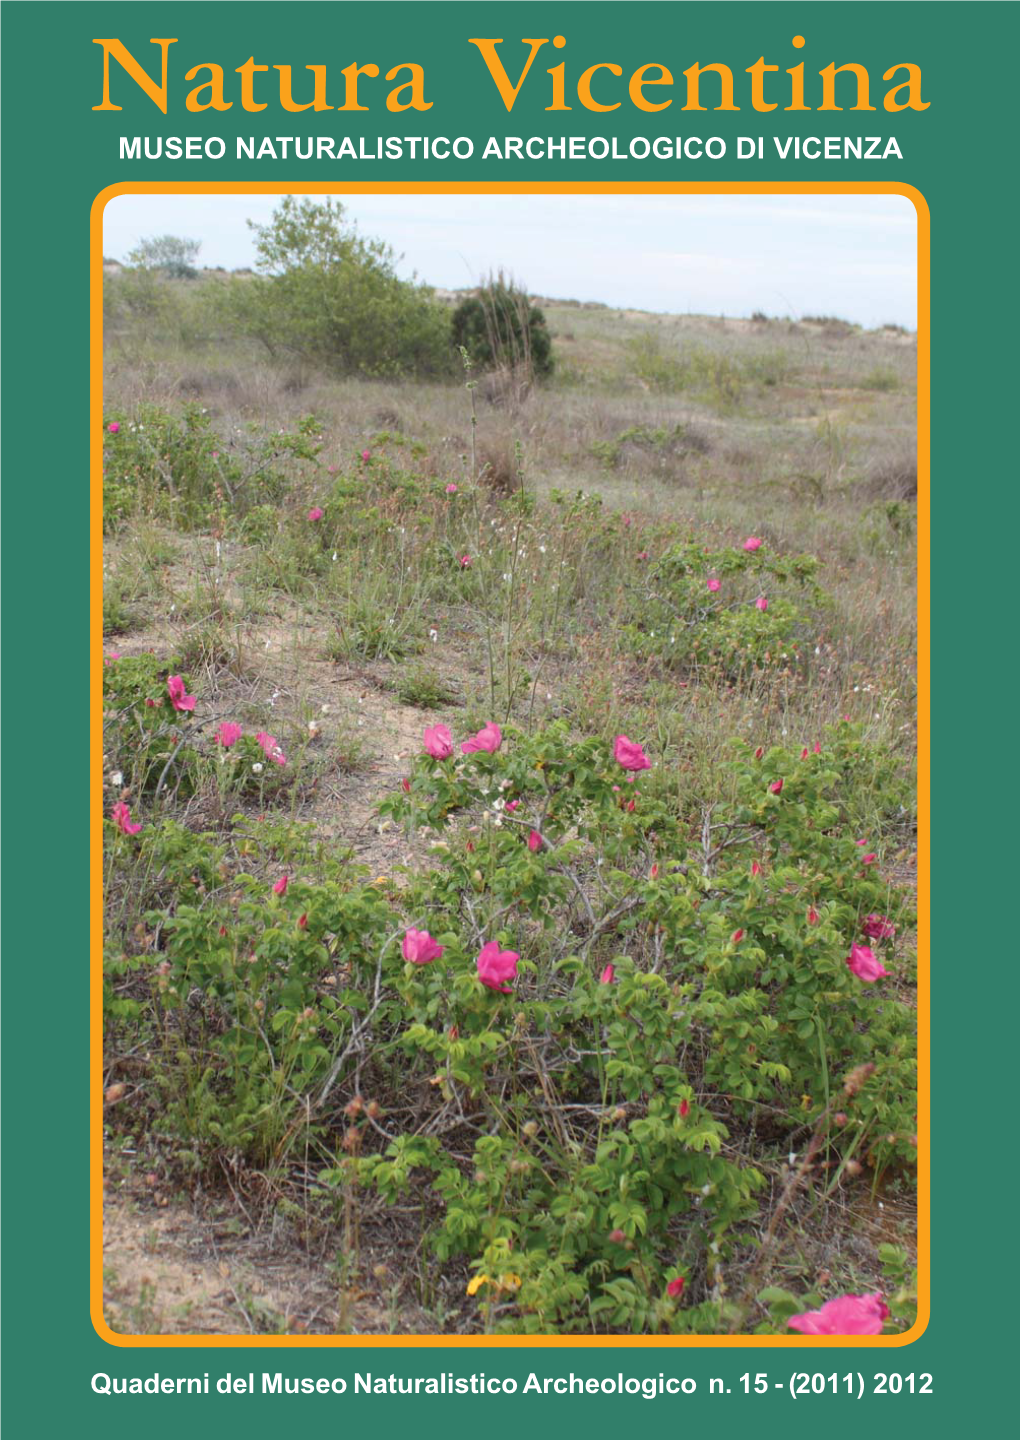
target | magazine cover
[{"x": 490, "y": 934}]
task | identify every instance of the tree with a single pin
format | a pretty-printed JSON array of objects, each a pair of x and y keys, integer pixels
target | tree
[
  {"x": 327, "y": 293},
  {"x": 502, "y": 330},
  {"x": 173, "y": 254}
]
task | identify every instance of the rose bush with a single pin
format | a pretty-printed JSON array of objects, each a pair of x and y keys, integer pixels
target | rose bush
[{"x": 570, "y": 1042}]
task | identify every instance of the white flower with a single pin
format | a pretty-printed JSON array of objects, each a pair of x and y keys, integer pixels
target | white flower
[
  {"x": 323, "y": 709},
  {"x": 313, "y": 728},
  {"x": 433, "y": 635},
  {"x": 256, "y": 769},
  {"x": 541, "y": 549},
  {"x": 116, "y": 778}
]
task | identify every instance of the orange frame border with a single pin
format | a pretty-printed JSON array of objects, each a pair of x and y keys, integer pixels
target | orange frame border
[{"x": 924, "y": 747}]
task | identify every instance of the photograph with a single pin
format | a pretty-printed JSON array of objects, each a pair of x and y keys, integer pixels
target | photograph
[{"x": 510, "y": 731}]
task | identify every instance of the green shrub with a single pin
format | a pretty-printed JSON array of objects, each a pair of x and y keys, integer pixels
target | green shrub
[
  {"x": 332, "y": 296},
  {"x": 173, "y": 465},
  {"x": 674, "y": 440},
  {"x": 420, "y": 685},
  {"x": 881, "y": 378},
  {"x": 501, "y": 329},
  {"x": 678, "y": 620},
  {"x": 666, "y": 992}
]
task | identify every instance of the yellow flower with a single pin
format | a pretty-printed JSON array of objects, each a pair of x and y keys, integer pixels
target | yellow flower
[
  {"x": 510, "y": 1282},
  {"x": 476, "y": 1284}
]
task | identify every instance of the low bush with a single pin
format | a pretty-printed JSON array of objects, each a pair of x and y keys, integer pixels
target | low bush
[
  {"x": 172, "y": 465},
  {"x": 566, "y": 1041},
  {"x": 725, "y": 611}
]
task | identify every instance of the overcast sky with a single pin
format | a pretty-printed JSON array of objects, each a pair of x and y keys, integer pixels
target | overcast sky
[{"x": 846, "y": 255}]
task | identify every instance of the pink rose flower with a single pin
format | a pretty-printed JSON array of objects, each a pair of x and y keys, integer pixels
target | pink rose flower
[
  {"x": 121, "y": 817},
  {"x": 847, "y": 1315},
  {"x": 675, "y": 1288},
  {"x": 511, "y": 806},
  {"x": 271, "y": 748},
  {"x": 812, "y": 916},
  {"x": 608, "y": 976},
  {"x": 366, "y": 454},
  {"x": 776, "y": 787},
  {"x": 315, "y": 513},
  {"x": 489, "y": 739},
  {"x": 178, "y": 696},
  {"x": 420, "y": 948},
  {"x": 438, "y": 742},
  {"x": 535, "y": 841},
  {"x": 736, "y": 937},
  {"x": 818, "y": 747},
  {"x": 865, "y": 965},
  {"x": 642, "y": 555},
  {"x": 714, "y": 584},
  {"x": 405, "y": 785},
  {"x": 629, "y": 755},
  {"x": 451, "y": 489},
  {"x": 755, "y": 868},
  {"x": 228, "y": 734},
  {"x": 879, "y": 927},
  {"x": 114, "y": 428},
  {"x": 684, "y": 1109},
  {"x": 280, "y": 888},
  {"x": 761, "y": 603},
  {"x": 495, "y": 966},
  {"x": 752, "y": 543},
  {"x": 465, "y": 562}
]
